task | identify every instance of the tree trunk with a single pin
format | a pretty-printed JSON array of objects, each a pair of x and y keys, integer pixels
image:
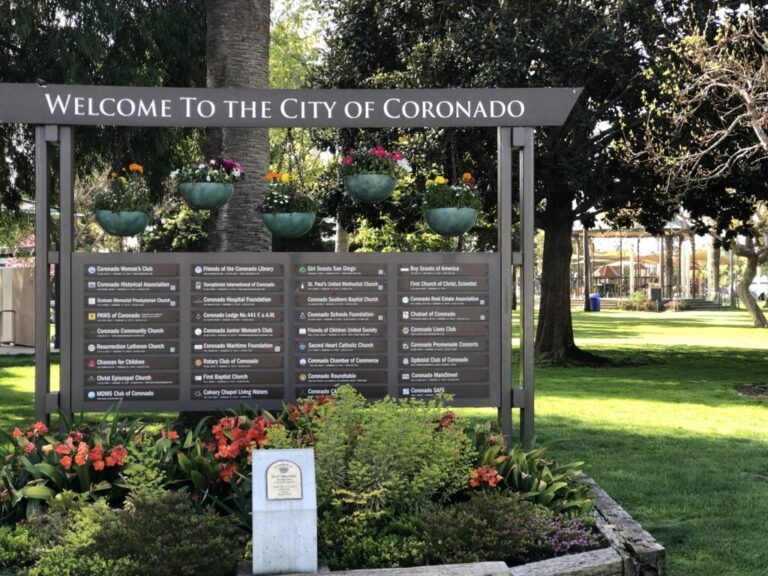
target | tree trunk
[
  {"x": 342, "y": 239},
  {"x": 742, "y": 289},
  {"x": 238, "y": 56},
  {"x": 554, "y": 333},
  {"x": 716, "y": 275}
]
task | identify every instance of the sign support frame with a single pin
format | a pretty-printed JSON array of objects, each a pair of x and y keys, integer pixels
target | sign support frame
[{"x": 511, "y": 136}]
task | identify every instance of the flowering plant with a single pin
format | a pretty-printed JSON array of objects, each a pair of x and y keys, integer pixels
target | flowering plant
[
  {"x": 219, "y": 171},
  {"x": 38, "y": 465},
  {"x": 283, "y": 195},
  {"x": 127, "y": 191},
  {"x": 440, "y": 193},
  {"x": 375, "y": 160}
]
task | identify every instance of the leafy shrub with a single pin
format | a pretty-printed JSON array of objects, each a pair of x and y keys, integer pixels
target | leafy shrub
[
  {"x": 676, "y": 305},
  {"x": 16, "y": 546},
  {"x": 536, "y": 478},
  {"x": 162, "y": 533},
  {"x": 637, "y": 301},
  {"x": 501, "y": 526},
  {"x": 402, "y": 455},
  {"x": 354, "y": 535}
]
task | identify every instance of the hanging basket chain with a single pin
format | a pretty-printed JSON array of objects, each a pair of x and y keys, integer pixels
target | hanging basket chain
[{"x": 454, "y": 157}]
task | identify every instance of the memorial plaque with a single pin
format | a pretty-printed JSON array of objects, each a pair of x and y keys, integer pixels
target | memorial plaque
[{"x": 283, "y": 481}]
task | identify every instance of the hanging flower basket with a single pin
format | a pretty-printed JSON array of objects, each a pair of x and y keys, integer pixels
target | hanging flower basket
[
  {"x": 122, "y": 223},
  {"x": 206, "y": 195},
  {"x": 289, "y": 225},
  {"x": 451, "y": 221},
  {"x": 451, "y": 209},
  {"x": 370, "y": 188},
  {"x": 208, "y": 185}
]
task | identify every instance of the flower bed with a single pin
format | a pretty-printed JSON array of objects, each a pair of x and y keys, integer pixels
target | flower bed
[{"x": 399, "y": 484}]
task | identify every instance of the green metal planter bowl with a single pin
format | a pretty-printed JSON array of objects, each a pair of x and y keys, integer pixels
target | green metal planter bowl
[
  {"x": 289, "y": 224},
  {"x": 451, "y": 221},
  {"x": 123, "y": 223},
  {"x": 206, "y": 195},
  {"x": 370, "y": 187}
]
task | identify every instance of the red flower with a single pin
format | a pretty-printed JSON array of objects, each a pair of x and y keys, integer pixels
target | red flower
[
  {"x": 118, "y": 454},
  {"x": 16, "y": 433},
  {"x": 173, "y": 435},
  {"x": 109, "y": 461},
  {"x": 226, "y": 471},
  {"x": 40, "y": 428},
  {"x": 98, "y": 465},
  {"x": 66, "y": 461},
  {"x": 29, "y": 448},
  {"x": 76, "y": 436},
  {"x": 485, "y": 475},
  {"x": 81, "y": 459},
  {"x": 97, "y": 454}
]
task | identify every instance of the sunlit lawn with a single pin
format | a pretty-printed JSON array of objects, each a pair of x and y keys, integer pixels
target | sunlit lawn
[{"x": 664, "y": 432}]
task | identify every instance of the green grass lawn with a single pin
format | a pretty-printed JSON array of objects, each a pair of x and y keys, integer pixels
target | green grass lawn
[{"x": 664, "y": 432}]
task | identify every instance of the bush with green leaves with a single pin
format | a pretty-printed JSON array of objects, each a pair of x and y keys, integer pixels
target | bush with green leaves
[
  {"x": 537, "y": 479},
  {"x": 16, "y": 547},
  {"x": 402, "y": 454},
  {"x": 158, "y": 534},
  {"x": 495, "y": 525}
]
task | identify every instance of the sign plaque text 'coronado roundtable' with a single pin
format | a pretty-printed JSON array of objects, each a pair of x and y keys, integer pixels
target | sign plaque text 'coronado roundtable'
[{"x": 200, "y": 331}]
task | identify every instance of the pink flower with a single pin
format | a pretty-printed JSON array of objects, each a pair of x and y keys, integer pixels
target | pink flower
[
  {"x": 347, "y": 160},
  {"x": 397, "y": 156}
]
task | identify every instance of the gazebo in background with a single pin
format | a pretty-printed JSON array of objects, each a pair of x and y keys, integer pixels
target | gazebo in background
[{"x": 679, "y": 263}]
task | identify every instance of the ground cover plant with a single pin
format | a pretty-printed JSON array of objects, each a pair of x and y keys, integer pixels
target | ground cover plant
[{"x": 663, "y": 431}]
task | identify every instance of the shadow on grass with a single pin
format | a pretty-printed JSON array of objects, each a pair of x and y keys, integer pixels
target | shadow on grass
[
  {"x": 661, "y": 374},
  {"x": 702, "y": 497}
]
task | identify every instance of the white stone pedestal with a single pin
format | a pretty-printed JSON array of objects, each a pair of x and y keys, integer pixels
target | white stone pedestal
[{"x": 284, "y": 512}]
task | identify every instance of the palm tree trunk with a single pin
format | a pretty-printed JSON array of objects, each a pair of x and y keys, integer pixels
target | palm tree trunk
[{"x": 238, "y": 56}]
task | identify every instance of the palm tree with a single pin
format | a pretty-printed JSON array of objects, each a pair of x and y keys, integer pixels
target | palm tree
[{"x": 238, "y": 56}]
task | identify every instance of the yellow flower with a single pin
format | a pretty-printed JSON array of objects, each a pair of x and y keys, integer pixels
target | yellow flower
[
  {"x": 285, "y": 178},
  {"x": 113, "y": 174},
  {"x": 467, "y": 177},
  {"x": 123, "y": 180},
  {"x": 430, "y": 182},
  {"x": 403, "y": 139},
  {"x": 136, "y": 168},
  {"x": 441, "y": 180}
]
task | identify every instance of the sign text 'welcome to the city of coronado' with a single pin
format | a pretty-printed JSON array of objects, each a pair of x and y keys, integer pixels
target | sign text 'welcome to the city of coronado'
[{"x": 133, "y": 106}]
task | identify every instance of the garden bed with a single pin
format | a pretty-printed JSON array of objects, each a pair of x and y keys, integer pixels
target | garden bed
[{"x": 632, "y": 552}]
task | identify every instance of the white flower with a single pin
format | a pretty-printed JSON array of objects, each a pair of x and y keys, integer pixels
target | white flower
[
  {"x": 235, "y": 173},
  {"x": 404, "y": 165},
  {"x": 207, "y": 178},
  {"x": 213, "y": 162},
  {"x": 175, "y": 174},
  {"x": 200, "y": 166}
]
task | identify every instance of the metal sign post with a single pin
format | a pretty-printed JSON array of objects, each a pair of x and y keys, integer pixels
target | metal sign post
[{"x": 460, "y": 305}]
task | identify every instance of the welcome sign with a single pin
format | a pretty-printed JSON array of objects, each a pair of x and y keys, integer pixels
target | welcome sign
[{"x": 191, "y": 107}]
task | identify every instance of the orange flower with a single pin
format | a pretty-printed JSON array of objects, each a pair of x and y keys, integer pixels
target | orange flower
[
  {"x": 136, "y": 168},
  {"x": 226, "y": 471},
  {"x": 66, "y": 461},
  {"x": 98, "y": 465},
  {"x": 273, "y": 175},
  {"x": 40, "y": 428},
  {"x": 119, "y": 453},
  {"x": 485, "y": 475},
  {"x": 81, "y": 459},
  {"x": 467, "y": 177},
  {"x": 16, "y": 433}
]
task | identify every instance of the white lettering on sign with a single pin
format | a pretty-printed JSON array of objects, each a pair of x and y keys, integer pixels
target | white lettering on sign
[
  {"x": 395, "y": 108},
  {"x": 289, "y": 108}
]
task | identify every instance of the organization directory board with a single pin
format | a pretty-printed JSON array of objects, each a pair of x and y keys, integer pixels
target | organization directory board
[{"x": 196, "y": 331}]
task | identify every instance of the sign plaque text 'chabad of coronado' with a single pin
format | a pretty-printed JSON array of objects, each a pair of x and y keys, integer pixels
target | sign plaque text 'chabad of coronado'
[{"x": 133, "y": 106}]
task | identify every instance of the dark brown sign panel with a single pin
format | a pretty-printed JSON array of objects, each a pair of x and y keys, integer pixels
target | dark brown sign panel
[
  {"x": 199, "y": 331},
  {"x": 179, "y": 107}
]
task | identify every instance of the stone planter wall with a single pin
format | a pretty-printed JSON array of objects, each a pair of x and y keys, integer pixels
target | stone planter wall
[{"x": 632, "y": 552}]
